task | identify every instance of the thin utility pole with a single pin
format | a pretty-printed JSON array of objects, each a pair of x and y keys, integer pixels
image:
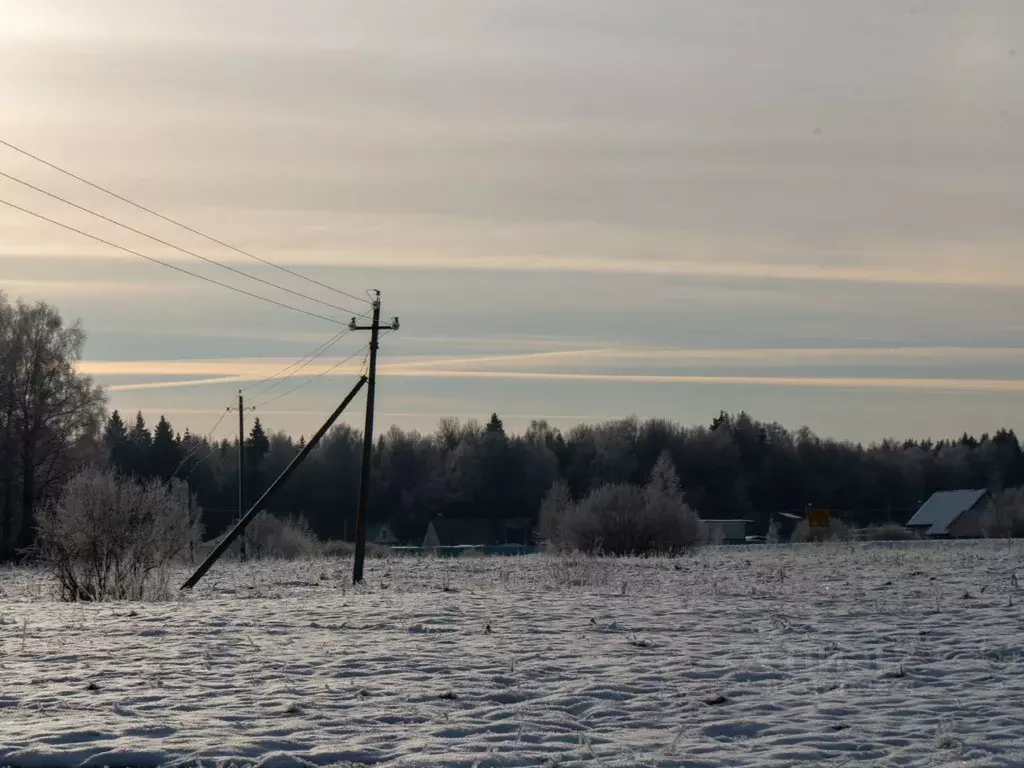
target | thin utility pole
[
  {"x": 239, "y": 527},
  {"x": 371, "y": 390},
  {"x": 241, "y": 466},
  {"x": 191, "y": 526}
]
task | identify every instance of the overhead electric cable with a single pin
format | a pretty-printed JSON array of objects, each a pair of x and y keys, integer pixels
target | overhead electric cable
[
  {"x": 314, "y": 378},
  {"x": 308, "y": 358},
  {"x": 155, "y": 239},
  {"x": 199, "y": 444},
  {"x": 177, "y": 223},
  {"x": 98, "y": 239}
]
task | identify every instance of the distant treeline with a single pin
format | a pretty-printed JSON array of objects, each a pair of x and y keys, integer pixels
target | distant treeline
[
  {"x": 53, "y": 421},
  {"x": 734, "y": 467}
]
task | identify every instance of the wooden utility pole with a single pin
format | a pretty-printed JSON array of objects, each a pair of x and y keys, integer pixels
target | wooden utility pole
[
  {"x": 241, "y": 466},
  {"x": 371, "y": 390}
]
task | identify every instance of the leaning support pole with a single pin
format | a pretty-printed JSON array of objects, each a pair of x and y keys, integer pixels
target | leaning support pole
[{"x": 247, "y": 518}]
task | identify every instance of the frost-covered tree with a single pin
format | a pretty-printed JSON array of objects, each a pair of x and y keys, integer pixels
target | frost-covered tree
[
  {"x": 553, "y": 510},
  {"x": 50, "y": 415},
  {"x": 111, "y": 537}
]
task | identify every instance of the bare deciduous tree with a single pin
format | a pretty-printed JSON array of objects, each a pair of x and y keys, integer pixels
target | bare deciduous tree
[{"x": 50, "y": 415}]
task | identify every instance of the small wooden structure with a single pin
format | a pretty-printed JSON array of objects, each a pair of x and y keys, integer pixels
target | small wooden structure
[
  {"x": 728, "y": 531},
  {"x": 819, "y": 518},
  {"x": 381, "y": 533}
]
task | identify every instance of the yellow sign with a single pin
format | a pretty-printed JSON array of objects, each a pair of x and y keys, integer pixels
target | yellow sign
[{"x": 819, "y": 518}]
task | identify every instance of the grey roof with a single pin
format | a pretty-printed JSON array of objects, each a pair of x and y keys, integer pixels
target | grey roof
[{"x": 939, "y": 512}]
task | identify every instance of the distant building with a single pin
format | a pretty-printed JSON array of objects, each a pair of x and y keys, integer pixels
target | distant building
[
  {"x": 455, "y": 532},
  {"x": 786, "y": 523},
  {"x": 732, "y": 531},
  {"x": 516, "y": 530},
  {"x": 952, "y": 514},
  {"x": 381, "y": 533}
]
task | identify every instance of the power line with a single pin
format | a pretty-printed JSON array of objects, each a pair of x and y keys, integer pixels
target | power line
[
  {"x": 322, "y": 349},
  {"x": 310, "y": 381},
  {"x": 208, "y": 436},
  {"x": 213, "y": 449},
  {"x": 155, "y": 239},
  {"x": 98, "y": 239},
  {"x": 179, "y": 224}
]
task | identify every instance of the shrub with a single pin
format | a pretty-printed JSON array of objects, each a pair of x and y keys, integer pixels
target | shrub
[
  {"x": 338, "y": 548},
  {"x": 553, "y": 509},
  {"x": 609, "y": 519},
  {"x": 288, "y": 538},
  {"x": 887, "y": 532},
  {"x": 1005, "y": 515},
  {"x": 624, "y": 519},
  {"x": 108, "y": 537},
  {"x": 836, "y": 531}
]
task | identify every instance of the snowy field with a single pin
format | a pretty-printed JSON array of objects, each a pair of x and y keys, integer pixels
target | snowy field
[{"x": 878, "y": 655}]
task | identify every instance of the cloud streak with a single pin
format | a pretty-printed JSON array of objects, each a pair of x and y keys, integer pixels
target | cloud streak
[
  {"x": 938, "y": 274},
  {"x": 895, "y": 269},
  {"x": 249, "y": 369},
  {"x": 565, "y": 365},
  {"x": 172, "y": 384},
  {"x": 848, "y": 382}
]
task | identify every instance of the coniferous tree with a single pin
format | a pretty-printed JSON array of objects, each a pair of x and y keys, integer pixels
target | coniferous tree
[
  {"x": 257, "y": 445},
  {"x": 115, "y": 442},
  {"x": 141, "y": 442},
  {"x": 165, "y": 451},
  {"x": 495, "y": 425}
]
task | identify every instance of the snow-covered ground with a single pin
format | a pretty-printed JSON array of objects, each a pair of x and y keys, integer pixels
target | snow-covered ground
[{"x": 879, "y": 655}]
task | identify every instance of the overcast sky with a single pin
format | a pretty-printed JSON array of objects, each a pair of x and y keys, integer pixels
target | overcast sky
[{"x": 581, "y": 210}]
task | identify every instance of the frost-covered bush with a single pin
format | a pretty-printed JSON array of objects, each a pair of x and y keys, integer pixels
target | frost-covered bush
[
  {"x": 338, "y": 548},
  {"x": 1004, "y": 517},
  {"x": 609, "y": 519},
  {"x": 887, "y": 532},
  {"x": 108, "y": 537},
  {"x": 836, "y": 531},
  {"x": 553, "y": 510},
  {"x": 623, "y": 519},
  {"x": 288, "y": 538}
]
